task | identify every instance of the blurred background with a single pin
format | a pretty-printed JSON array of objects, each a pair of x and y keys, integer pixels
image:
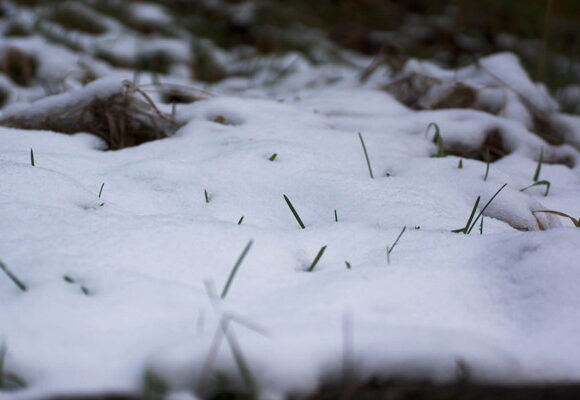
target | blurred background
[{"x": 545, "y": 34}]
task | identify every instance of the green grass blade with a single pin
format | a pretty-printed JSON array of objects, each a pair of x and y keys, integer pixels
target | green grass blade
[
  {"x": 460, "y": 164},
  {"x": 294, "y": 212},
  {"x": 487, "y": 160},
  {"x": 390, "y": 249},
  {"x": 539, "y": 183},
  {"x": 539, "y": 166},
  {"x": 32, "y": 157},
  {"x": 472, "y": 214},
  {"x": 101, "y": 191},
  {"x": 240, "y": 221},
  {"x": 316, "y": 259},
  {"x": 273, "y": 157},
  {"x": 13, "y": 277},
  {"x": 206, "y": 195},
  {"x": 362, "y": 142},
  {"x": 485, "y": 207},
  {"x": 241, "y": 363},
  {"x": 335, "y": 216},
  {"x": 235, "y": 269}
]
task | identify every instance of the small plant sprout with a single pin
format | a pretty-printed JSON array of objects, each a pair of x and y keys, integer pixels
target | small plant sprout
[
  {"x": 481, "y": 226},
  {"x": 487, "y": 160},
  {"x": 70, "y": 280},
  {"x": 536, "y": 176},
  {"x": 390, "y": 249},
  {"x": 460, "y": 163},
  {"x": 335, "y": 216},
  {"x": 348, "y": 266},
  {"x": 575, "y": 221},
  {"x": 100, "y": 193},
  {"x": 241, "y": 220},
  {"x": 8, "y": 380},
  {"x": 206, "y": 195},
  {"x": 362, "y": 142},
  {"x": 539, "y": 166},
  {"x": 316, "y": 259},
  {"x": 235, "y": 269},
  {"x": 480, "y": 215},
  {"x": 539, "y": 183},
  {"x": 13, "y": 277},
  {"x": 294, "y": 212},
  {"x": 468, "y": 224},
  {"x": 437, "y": 139},
  {"x": 273, "y": 157},
  {"x": 31, "y": 157}
]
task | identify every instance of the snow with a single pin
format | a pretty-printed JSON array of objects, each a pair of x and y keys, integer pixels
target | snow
[{"x": 149, "y": 251}]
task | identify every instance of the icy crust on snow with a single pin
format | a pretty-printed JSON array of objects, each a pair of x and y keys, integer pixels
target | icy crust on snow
[{"x": 502, "y": 304}]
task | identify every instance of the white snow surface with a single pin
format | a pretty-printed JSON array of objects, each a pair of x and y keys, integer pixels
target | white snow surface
[{"x": 505, "y": 303}]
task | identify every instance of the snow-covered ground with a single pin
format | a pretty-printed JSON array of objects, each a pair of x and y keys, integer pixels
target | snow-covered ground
[{"x": 126, "y": 282}]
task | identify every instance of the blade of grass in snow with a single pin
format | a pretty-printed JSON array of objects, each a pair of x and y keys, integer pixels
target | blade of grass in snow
[
  {"x": 273, "y": 157},
  {"x": 481, "y": 226},
  {"x": 575, "y": 221},
  {"x": 362, "y": 142},
  {"x": 206, "y": 195},
  {"x": 294, "y": 212},
  {"x": 335, "y": 216},
  {"x": 460, "y": 164},
  {"x": 539, "y": 166},
  {"x": 101, "y": 191},
  {"x": 485, "y": 207},
  {"x": 390, "y": 249},
  {"x": 235, "y": 269},
  {"x": 348, "y": 266},
  {"x": 240, "y": 221},
  {"x": 466, "y": 227},
  {"x": 316, "y": 259},
  {"x": 32, "y": 157},
  {"x": 486, "y": 164},
  {"x": 241, "y": 363},
  {"x": 437, "y": 139},
  {"x": 539, "y": 183},
  {"x": 13, "y": 277}
]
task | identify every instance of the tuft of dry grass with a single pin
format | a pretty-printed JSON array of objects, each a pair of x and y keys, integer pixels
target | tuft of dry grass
[
  {"x": 123, "y": 118},
  {"x": 18, "y": 65}
]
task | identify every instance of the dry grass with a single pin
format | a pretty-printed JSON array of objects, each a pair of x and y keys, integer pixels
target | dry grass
[
  {"x": 123, "y": 118},
  {"x": 18, "y": 65}
]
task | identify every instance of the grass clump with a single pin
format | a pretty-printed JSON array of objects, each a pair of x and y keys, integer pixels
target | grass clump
[
  {"x": 470, "y": 225},
  {"x": 316, "y": 259},
  {"x": 123, "y": 116},
  {"x": 235, "y": 269},
  {"x": 294, "y": 212},
  {"x": 273, "y": 157}
]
